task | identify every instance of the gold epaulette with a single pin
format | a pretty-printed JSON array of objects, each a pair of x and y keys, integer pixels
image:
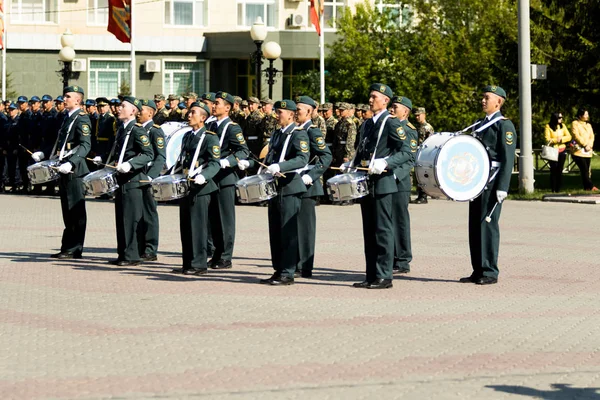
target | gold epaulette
[
  {"x": 211, "y": 132},
  {"x": 82, "y": 113},
  {"x": 156, "y": 126},
  {"x": 393, "y": 116},
  {"x": 314, "y": 126},
  {"x": 411, "y": 126},
  {"x": 138, "y": 124},
  {"x": 234, "y": 123}
]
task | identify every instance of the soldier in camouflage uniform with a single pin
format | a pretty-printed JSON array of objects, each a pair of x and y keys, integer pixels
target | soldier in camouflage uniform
[
  {"x": 253, "y": 126},
  {"x": 344, "y": 137},
  {"x": 161, "y": 113},
  {"x": 175, "y": 113},
  {"x": 424, "y": 130},
  {"x": 269, "y": 122},
  {"x": 237, "y": 115},
  {"x": 319, "y": 121}
]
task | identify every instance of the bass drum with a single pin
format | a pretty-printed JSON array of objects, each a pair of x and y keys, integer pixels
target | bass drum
[
  {"x": 174, "y": 132},
  {"x": 456, "y": 167}
]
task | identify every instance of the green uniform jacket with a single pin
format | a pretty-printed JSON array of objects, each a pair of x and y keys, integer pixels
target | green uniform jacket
[
  {"x": 318, "y": 149},
  {"x": 138, "y": 153},
  {"x": 404, "y": 170},
  {"x": 79, "y": 135},
  {"x": 209, "y": 156},
  {"x": 394, "y": 145},
  {"x": 233, "y": 148},
  {"x": 157, "y": 138},
  {"x": 500, "y": 140},
  {"x": 296, "y": 156}
]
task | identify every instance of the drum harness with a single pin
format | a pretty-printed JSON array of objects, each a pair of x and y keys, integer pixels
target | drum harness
[
  {"x": 62, "y": 150},
  {"x": 495, "y": 165},
  {"x": 364, "y": 143},
  {"x": 193, "y": 171},
  {"x": 284, "y": 151}
]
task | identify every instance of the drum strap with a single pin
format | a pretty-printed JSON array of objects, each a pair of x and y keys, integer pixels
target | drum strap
[
  {"x": 376, "y": 144},
  {"x": 62, "y": 150},
  {"x": 485, "y": 126},
  {"x": 193, "y": 169},
  {"x": 127, "y": 134},
  {"x": 223, "y": 134}
]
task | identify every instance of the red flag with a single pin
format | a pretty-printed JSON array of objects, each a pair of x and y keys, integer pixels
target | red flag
[
  {"x": 316, "y": 10},
  {"x": 119, "y": 19},
  {"x": 1, "y": 24}
]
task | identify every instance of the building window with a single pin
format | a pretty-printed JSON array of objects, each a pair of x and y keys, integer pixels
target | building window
[
  {"x": 97, "y": 12},
  {"x": 398, "y": 12},
  {"x": 184, "y": 76},
  {"x": 249, "y": 10},
  {"x": 293, "y": 68},
  {"x": 108, "y": 78},
  {"x": 332, "y": 11},
  {"x": 35, "y": 11},
  {"x": 185, "y": 12}
]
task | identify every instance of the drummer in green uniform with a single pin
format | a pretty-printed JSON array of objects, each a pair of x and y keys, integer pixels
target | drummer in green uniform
[
  {"x": 71, "y": 148},
  {"x": 200, "y": 160},
  {"x": 320, "y": 157},
  {"x": 498, "y": 135},
  {"x": 149, "y": 247},
  {"x": 131, "y": 153},
  {"x": 384, "y": 148}
]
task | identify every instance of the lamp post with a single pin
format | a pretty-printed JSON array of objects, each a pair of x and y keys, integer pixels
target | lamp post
[
  {"x": 258, "y": 32},
  {"x": 66, "y": 55},
  {"x": 272, "y": 53}
]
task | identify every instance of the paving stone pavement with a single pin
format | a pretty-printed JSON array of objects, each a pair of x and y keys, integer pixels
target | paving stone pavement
[{"x": 83, "y": 329}]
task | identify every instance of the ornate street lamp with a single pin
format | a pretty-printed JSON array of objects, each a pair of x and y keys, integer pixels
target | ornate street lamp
[
  {"x": 272, "y": 53},
  {"x": 258, "y": 32},
  {"x": 66, "y": 55}
]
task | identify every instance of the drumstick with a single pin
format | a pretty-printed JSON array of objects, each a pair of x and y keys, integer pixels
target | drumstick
[
  {"x": 106, "y": 165},
  {"x": 26, "y": 149},
  {"x": 53, "y": 167},
  {"x": 488, "y": 219},
  {"x": 358, "y": 168},
  {"x": 266, "y": 166}
]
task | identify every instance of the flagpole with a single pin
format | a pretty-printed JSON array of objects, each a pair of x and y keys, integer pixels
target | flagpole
[
  {"x": 133, "y": 64},
  {"x": 322, "y": 56},
  {"x": 3, "y": 53}
]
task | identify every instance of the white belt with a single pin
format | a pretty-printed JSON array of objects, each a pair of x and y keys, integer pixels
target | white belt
[
  {"x": 252, "y": 137},
  {"x": 342, "y": 142},
  {"x": 306, "y": 168},
  {"x": 496, "y": 164}
]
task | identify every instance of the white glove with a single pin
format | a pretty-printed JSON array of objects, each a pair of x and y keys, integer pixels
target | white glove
[
  {"x": 65, "y": 168},
  {"x": 37, "y": 156},
  {"x": 345, "y": 167},
  {"x": 307, "y": 180},
  {"x": 273, "y": 169},
  {"x": 224, "y": 163},
  {"x": 378, "y": 166},
  {"x": 243, "y": 164},
  {"x": 124, "y": 168},
  {"x": 97, "y": 160},
  {"x": 199, "y": 179},
  {"x": 501, "y": 195}
]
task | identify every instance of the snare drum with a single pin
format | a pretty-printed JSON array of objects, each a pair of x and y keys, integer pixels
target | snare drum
[
  {"x": 170, "y": 187},
  {"x": 346, "y": 187},
  {"x": 43, "y": 171},
  {"x": 253, "y": 189},
  {"x": 453, "y": 167},
  {"x": 101, "y": 182}
]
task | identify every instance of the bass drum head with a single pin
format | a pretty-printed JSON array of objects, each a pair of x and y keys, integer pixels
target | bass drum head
[
  {"x": 174, "y": 138},
  {"x": 462, "y": 168}
]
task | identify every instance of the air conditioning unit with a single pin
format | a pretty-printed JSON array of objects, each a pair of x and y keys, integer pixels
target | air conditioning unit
[
  {"x": 152, "y": 66},
  {"x": 296, "y": 21},
  {"x": 79, "y": 65}
]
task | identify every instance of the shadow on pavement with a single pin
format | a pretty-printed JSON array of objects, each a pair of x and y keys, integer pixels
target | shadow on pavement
[
  {"x": 561, "y": 391},
  {"x": 29, "y": 257},
  {"x": 415, "y": 278}
]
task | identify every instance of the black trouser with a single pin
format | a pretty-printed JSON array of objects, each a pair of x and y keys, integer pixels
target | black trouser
[
  {"x": 402, "y": 248},
  {"x": 12, "y": 160},
  {"x": 283, "y": 233},
  {"x": 193, "y": 227},
  {"x": 128, "y": 216},
  {"x": 221, "y": 213},
  {"x": 3, "y": 159},
  {"x": 583, "y": 163},
  {"x": 24, "y": 161},
  {"x": 556, "y": 171},
  {"x": 149, "y": 223},
  {"x": 378, "y": 235},
  {"x": 484, "y": 237},
  {"x": 307, "y": 226},
  {"x": 73, "y": 212}
]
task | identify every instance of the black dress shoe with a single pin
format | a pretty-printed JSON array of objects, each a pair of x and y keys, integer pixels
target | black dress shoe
[
  {"x": 65, "y": 255},
  {"x": 194, "y": 271},
  {"x": 306, "y": 274},
  {"x": 221, "y": 264},
  {"x": 468, "y": 279},
  {"x": 282, "y": 281},
  {"x": 362, "y": 284},
  {"x": 297, "y": 274},
  {"x": 398, "y": 270},
  {"x": 149, "y": 257},
  {"x": 380, "y": 284},
  {"x": 275, "y": 276},
  {"x": 419, "y": 200},
  {"x": 486, "y": 280},
  {"x": 126, "y": 263}
]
